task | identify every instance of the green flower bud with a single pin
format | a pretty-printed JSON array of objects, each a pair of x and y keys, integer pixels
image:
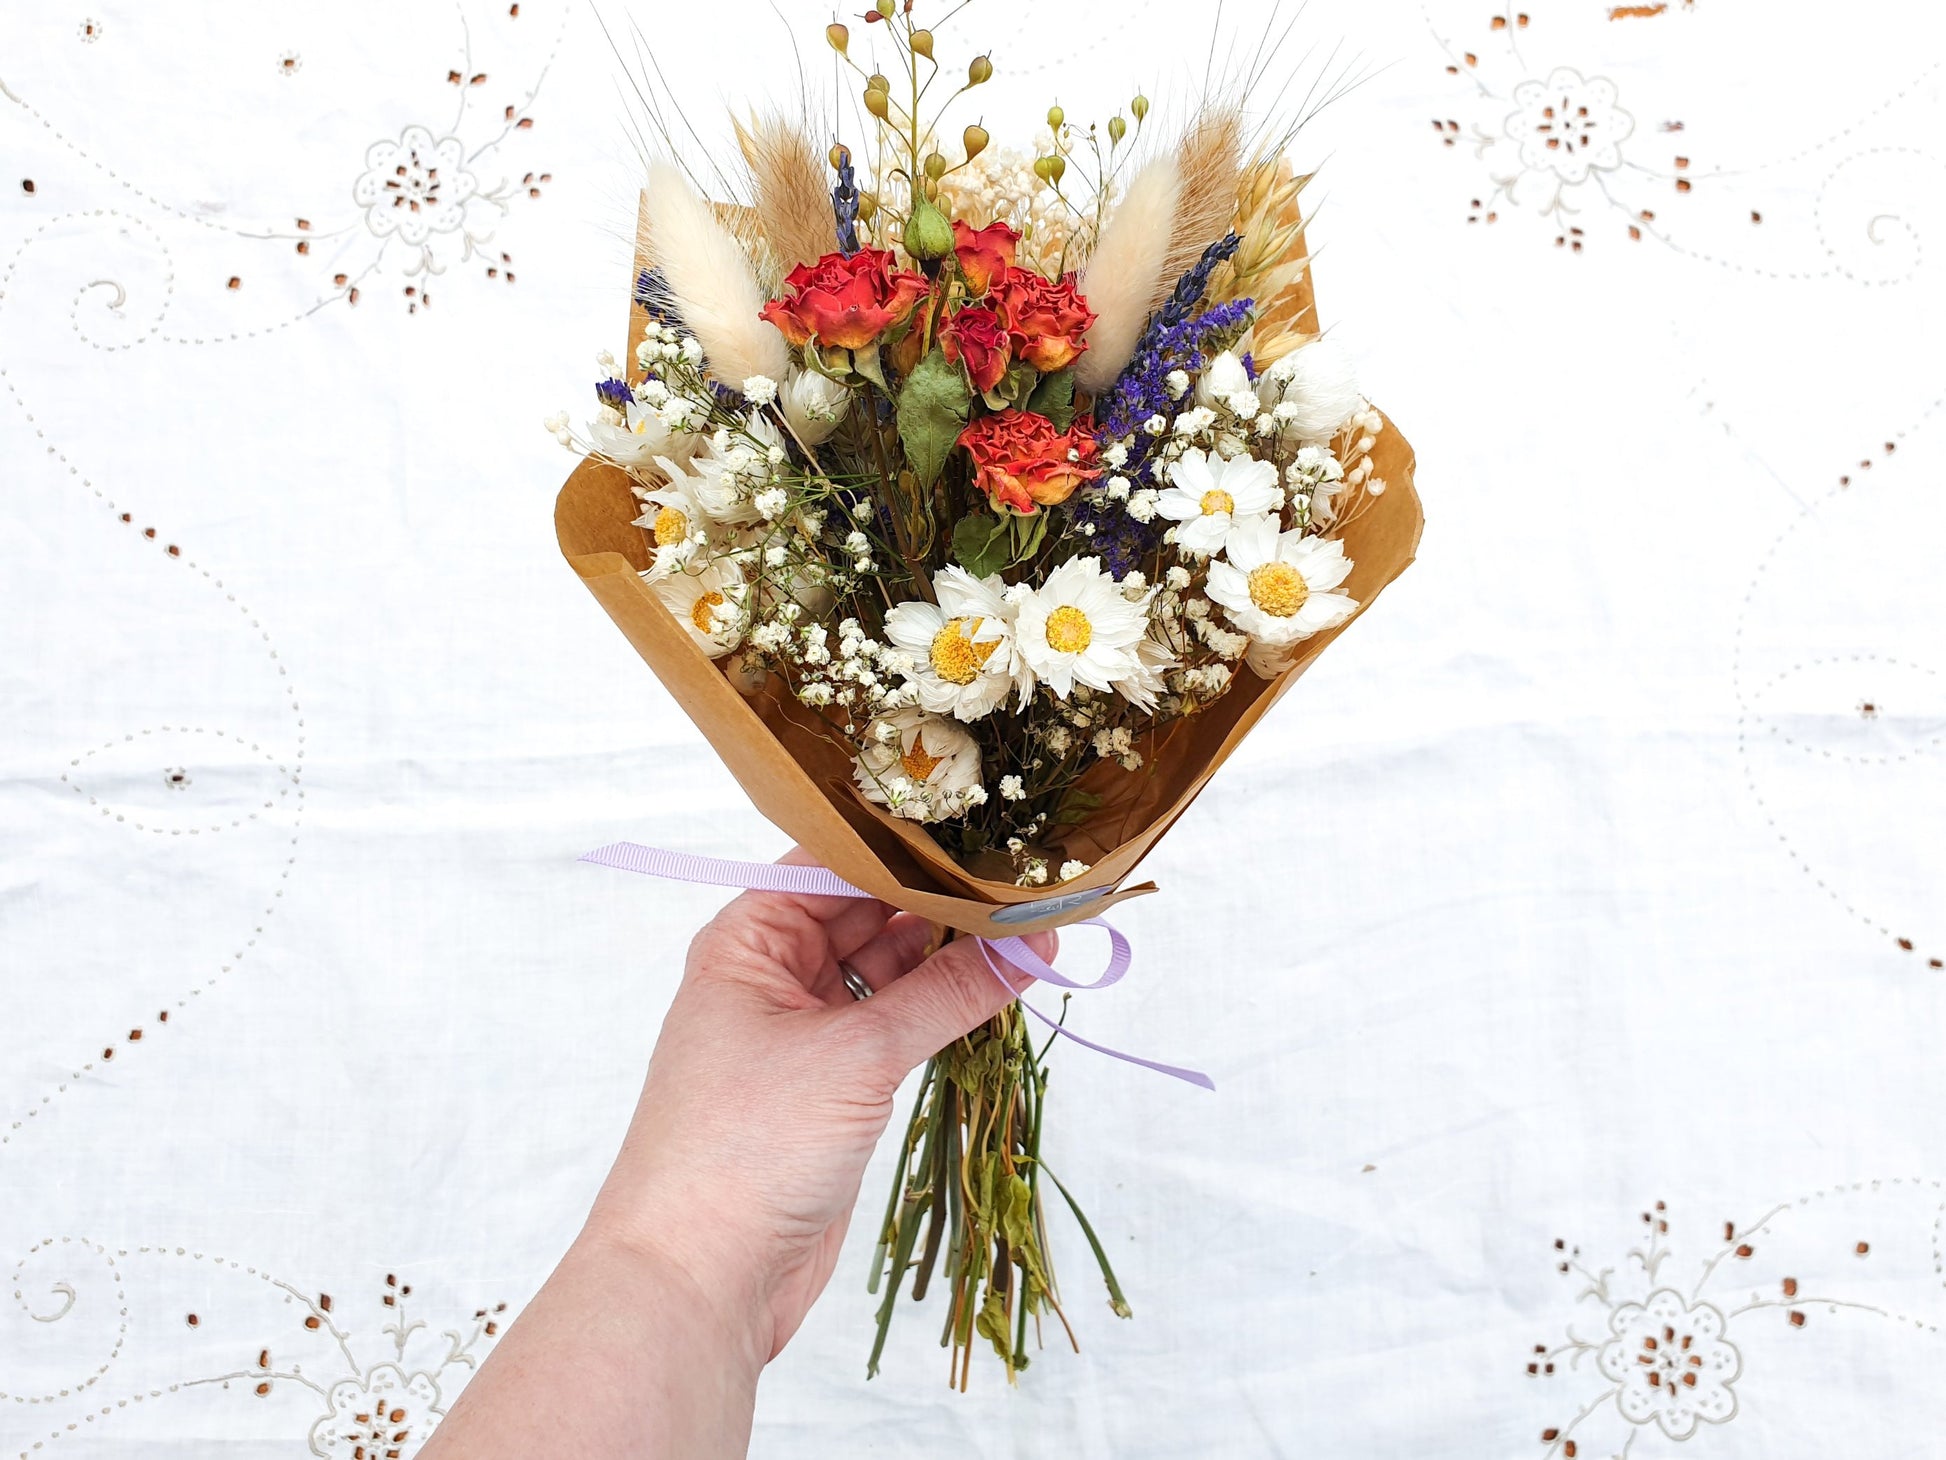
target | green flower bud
[
  {"x": 1057, "y": 168},
  {"x": 928, "y": 235},
  {"x": 1117, "y": 129},
  {"x": 935, "y": 166},
  {"x": 975, "y": 140},
  {"x": 1055, "y": 116},
  {"x": 885, "y": 8},
  {"x": 867, "y": 207},
  {"x": 1140, "y": 106}
]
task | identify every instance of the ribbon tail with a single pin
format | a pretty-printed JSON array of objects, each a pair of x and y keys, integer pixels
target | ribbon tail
[{"x": 1179, "y": 1072}]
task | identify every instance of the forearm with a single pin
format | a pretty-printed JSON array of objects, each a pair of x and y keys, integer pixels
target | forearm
[{"x": 621, "y": 1353}]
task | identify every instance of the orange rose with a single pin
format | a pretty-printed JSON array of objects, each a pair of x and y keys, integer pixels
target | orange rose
[
  {"x": 1046, "y": 317},
  {"x": 846, "y": 302},
  {"x": 977, "y": 337},
  {"x": 984, "y": 253},
  {"x": 1021, "y": 462}
]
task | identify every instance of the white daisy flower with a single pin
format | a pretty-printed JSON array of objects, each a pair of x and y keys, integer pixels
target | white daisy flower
[
  {"x": 1078, "y": 628},
  {"x": 814, "y": 405},
  {"x": 713, "y": 479},
  {"x": 708, "y": 602},
  {"x": 1277, "y": 587},
  {"x": 639, "y": 439},
  {"x": 926, "y": 769},
  {"x": 1223, "y": 380},
  {"x": 964, "y": 658},
  {"x": 1312, "y": 392},
  {"x": 1154, "y": 658},
  {"x": 1212, "y": 498}
]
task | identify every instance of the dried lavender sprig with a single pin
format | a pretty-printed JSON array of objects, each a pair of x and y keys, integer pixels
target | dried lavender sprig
[
  {"x": 1140, "y": 390},
  {"x": 844, "y": 204}
]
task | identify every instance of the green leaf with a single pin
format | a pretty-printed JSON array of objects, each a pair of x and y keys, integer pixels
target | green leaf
[
  {"x": 932, "y": 413},
  {"x": 866, "y": 363},
  {"x": 1054, "y": 398},
  {"x": 981, "y": 544},
  {"x": 1026, "y": 535},
  {"x": 1014, "y": 387}
]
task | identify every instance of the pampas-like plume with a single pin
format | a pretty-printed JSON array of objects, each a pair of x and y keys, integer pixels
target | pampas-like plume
[
  {"x": 793, "y": 198},
  {"x": 710, "y": 277},
  {"x": 1210, "y": 159},
  {"x": 1127, "y": 277}
]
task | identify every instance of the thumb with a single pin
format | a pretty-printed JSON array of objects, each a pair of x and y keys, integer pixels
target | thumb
[{"x": 952, "y": 993}]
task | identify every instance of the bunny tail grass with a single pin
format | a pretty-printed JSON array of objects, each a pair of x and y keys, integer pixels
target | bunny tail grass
[
  {"x": 710, "y": 276},
  {"x": 1127, "y": 274}
]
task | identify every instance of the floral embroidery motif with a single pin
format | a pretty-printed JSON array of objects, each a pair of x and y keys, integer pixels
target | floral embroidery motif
[
  {"x": 1671, "y": 1364},
  {"x": 1561, "y": 131},
  {"x": 1664, "y": 1353},
  {"x": 416, "y": 187},
  {"x": 355, "y": 1399},
  {"x": 377, "y": 1414},
  {"x": 1552, "y": 141}
]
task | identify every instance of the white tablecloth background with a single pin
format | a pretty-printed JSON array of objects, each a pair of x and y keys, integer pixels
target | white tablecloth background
[{"x": 1599, "y": 868}]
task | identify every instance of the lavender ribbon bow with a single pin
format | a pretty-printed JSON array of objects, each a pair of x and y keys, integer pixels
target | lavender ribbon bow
[{"x": 822, "y": 882}]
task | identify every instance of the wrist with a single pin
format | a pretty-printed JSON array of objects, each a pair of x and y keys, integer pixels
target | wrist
[{"x": 698, "y": 1278}]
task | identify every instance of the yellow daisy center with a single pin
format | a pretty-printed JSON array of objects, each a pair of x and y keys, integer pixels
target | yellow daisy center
[
  {"x": 705, "y": 607},
  {"x": 671, "y": 526},
  {"x": 1278, "y": 589},
  {"x": 956, "y": 658},
  {"x": 916, "y": 763},
  {"x": 1218, "y": 500},
  {"x": 1068, "y": 630}
]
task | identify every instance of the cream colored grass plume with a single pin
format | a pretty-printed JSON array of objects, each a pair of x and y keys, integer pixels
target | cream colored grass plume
[
  {"x": 712, "y": 281},
  {"x": 1175, "y": 207},
  {"x": 1124, "y": 276}
]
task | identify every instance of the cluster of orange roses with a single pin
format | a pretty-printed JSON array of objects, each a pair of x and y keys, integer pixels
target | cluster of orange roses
[{"x": 1006, "y": 316}]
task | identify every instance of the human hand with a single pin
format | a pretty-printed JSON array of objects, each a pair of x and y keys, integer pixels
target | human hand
[{"x": 769, "y": 1088}]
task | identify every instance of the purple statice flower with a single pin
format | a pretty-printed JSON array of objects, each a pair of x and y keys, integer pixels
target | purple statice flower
[
  {"x": 613, "y": 392},
  {"x": 1122, "y": 543},
  {"x": 844, "y": 204}
]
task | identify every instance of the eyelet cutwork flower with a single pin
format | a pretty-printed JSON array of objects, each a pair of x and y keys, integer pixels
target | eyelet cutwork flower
[
  {"x": 1671, "y": 1364},
  {"x": 415, "y": 187},
  {"x": 1568, "y": 126},
  {"x": 385, "y": 1415}
]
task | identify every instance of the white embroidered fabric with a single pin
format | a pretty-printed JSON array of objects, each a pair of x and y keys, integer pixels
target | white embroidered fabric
[{"x": 1566, "y": 948}]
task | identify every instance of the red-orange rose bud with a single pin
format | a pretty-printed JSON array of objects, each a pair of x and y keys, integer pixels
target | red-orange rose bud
[
  {"x": 976, "y": 338},
  {"x": 846, "y": 302},
  {"x": 984, "y": 253},
  {"x": 1047, "y": 318},
  {"x": 1021, "y": 462}
]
